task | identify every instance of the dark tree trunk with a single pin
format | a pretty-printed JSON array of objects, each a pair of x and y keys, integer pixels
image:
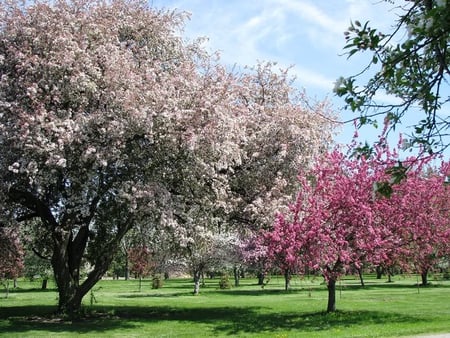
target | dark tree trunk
[
  {"x": 424, "y": 276},
  {"x": 361, "y": 279},
  {"x": 261, "y": 276},
  {"x": 237, "y": 274},
  {"x": 127, "y": 270},
  {"x": 69, "y": 248},
  {"x": 66, "y": 262},
  {"x": 287, "y": 279},
  {"x": 379, "y": 271},
  {"x": 44, "y": 284},
  {"x": 389, "y": 274},
  {"x": 331, "y": 285}
]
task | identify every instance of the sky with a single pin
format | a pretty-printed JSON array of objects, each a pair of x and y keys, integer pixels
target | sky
[{"x": 305, "y": 34}]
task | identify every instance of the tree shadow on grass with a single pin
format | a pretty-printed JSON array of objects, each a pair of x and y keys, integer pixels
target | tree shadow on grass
[
  {"x": 223, "y": 320},
  {"x": 309, "y": 322},
  {"x": 392, "y": 285},
  {"x": 23, "y": 319},
  {"x": 155, "y": 295}
]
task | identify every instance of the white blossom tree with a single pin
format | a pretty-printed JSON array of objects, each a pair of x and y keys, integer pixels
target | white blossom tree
[{"x": 94, "y": 97}]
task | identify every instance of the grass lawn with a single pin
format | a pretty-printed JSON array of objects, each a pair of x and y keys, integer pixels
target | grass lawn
[{"x": 118, "y": 309}]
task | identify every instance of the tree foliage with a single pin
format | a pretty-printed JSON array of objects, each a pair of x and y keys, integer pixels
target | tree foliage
[
  {"x": 410, "y": 63},
  {"x": 109, "y": 120},
  {"x": 94, "y": 95},
  {"x": 340, "y": 221},
  {"x": 11, "y": 253}
]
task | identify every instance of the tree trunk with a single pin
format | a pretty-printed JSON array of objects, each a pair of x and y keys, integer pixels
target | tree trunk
[
  {"x": 361, "y": 279},
  {"x": 44, "y": 284},
  {"x": 261, "y": 276},
  {"x": 66, "y": 262},
  {"x": 6, "y": 288},
  {"x": 197, "y": 278},
  {"x": 389, "y": 275},
  {"x": 424, "y": 276},
  {"x": 287, "y": 279},
  {"x": 237, "y": 275},
  {"x": 127, "y": 270},
  {"x": 379, "y": 271},
  {"x": 331, "y": 285}
]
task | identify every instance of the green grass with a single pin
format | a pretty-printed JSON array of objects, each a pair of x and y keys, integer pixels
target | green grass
[{"x": 379, "y": 310}]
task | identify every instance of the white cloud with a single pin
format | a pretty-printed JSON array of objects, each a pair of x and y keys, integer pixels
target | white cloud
[{"x": 306, "y": 33}]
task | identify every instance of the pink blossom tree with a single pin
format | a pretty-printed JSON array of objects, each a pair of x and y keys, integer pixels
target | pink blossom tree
[
  {"x": 334, "y": 218},
  {"x": 11, "y": 255},
  {"x": 140, "y": 259},
  {"x": 418, "y": 215},
  {"x": 283, "y": 247}
]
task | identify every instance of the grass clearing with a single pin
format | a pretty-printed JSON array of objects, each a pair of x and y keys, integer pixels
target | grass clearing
[{"x": 118, "y": 309}]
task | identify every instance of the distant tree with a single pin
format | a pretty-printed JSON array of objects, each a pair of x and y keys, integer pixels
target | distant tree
[
  {"x": 11, "y": 255},
  {"x": 410, "y": 63},
  {"x": 141, "y": 263},
  {"x": 284, "y": 131},
  {"x": 417, "y": 214},
  {"x": 283, "y": 247},
  {"x": 37, "y": 267}
]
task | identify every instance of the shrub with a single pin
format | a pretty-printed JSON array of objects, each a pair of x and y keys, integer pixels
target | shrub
[
  {"x": 224, "y": 282},
  {"x": 157, "y": 282}
]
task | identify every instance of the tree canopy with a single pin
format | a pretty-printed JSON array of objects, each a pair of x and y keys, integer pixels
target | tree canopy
[
  {"x": 410, "y": 64},
  {"x": 109, "y": 119}
]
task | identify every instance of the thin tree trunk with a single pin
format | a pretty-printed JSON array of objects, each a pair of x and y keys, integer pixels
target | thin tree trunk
[
  {"x": 331, "y": 285},
  {"x": 361, "y": 279},
  {"x": 287, "y": 279},
  {"x": 236, "y": 272},
  {"x": 389, "y": 276},
  {"x": 261, "y": 276},
  {"x": 127, "y": 269},
  {"x": 197, "y": 278},
  {"x": 44, "y": 284},
  {"x": 6, "y": 288}
]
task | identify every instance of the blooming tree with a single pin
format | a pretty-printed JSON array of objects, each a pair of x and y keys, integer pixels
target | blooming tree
[
  {"x": 417, "y": 214},
  {"x": 284, "y": 131},
  {"x": 97, "y": 101},
  {"x": 11, "y": 255},
  {"x": 140, "y": 259},
  {"x": 202, "y": 248},
  {"x": 340, "y": 220},
  {"x": 283, "y": 248},
  {"x": 332, "y": 223}
]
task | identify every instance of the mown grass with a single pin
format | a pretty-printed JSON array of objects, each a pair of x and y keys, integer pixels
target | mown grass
[{"x": 118, "y": 309}]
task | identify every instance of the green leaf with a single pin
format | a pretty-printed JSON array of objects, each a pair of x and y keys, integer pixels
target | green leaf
[{"x": 383, "y": 188}]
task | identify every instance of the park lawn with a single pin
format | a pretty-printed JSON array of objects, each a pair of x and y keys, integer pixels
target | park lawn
[{"x": 119, "y": 309}]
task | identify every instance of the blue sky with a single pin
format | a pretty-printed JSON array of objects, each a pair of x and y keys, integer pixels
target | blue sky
[{"x": 304, "y": 33}]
